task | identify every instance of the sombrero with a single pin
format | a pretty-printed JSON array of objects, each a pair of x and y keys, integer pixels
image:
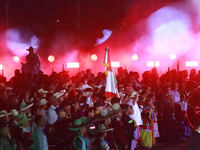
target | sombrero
[
  {"x": 30, "y": 48},
  {"x": 105, "y": 114},
  {"x": 55, "y": 97},
  {"x": 22, "y": 118},
  {"x": 4, "y": 113},
  {"x": 116, "y": 108},
  {"x": 133, "y": 94},
  {"x": 80, "y": 123},
  {"x": 24, "y": 106},
  {"x": 100, "y": 128}
]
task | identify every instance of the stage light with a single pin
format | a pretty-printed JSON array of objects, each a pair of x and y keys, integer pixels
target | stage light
[
  {"x": 1, "y": 66},
  {"x": 153, "y": 63},
  {"x": 172, "y": 56},
  {"x": 191, "y": 63},
  {"x": 115, "y": 64},
  {"x": 16, "y": 59},
  {"x": 135, "y": 57},
  {"x": 94, "y": 57},
  {"x": 73, "y": 65},
  {"x": 51, "y": 58}
]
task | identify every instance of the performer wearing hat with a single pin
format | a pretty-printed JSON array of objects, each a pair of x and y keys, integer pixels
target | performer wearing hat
[
  {"x": 33, "y": 61},
  {"x": 81, "y": 141},
  {"x": 62, "y": 129},
  {"x": 101, "y": 133}
]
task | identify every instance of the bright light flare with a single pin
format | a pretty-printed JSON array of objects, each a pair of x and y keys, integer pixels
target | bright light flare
[
  {"x": 51, "y": 58},
  {"x": 94, "y": 57},
  {"x": 191, "y": 63},
  {"x": 115, "y": 64},
  {"x": 73, "y": 65},
  {"x": 16, "y": 59},
  {"x": 172, "y": 56},
  {"x": 152, "y": 63},
  {"x": 1, "y": 66},
  {"x": 135, "y": 57}
]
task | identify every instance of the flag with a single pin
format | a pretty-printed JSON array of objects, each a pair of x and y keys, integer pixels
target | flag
[{"x": 111, "y": 82}]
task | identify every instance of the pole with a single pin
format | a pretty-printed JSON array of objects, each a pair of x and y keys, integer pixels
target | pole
[
  {"x": 63, "y": 67},
  {"x": 178, "y": 67}
]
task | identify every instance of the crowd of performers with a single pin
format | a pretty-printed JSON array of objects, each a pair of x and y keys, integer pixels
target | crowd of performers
[{"x": 60, "y": 112}]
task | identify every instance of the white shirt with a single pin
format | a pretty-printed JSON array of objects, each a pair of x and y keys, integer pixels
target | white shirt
[
  {"x": 44, "y": 115},
  {"x": 40, "y": 139},
  {"x": 137, "y": 114},
  {"x": 175, "y": 96},
  {"x": 52, "y": 115}
]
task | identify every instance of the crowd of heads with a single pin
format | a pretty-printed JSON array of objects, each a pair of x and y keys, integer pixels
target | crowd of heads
[{"x": 81, "y": 98}]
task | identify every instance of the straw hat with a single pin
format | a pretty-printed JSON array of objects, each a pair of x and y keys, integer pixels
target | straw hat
[
  {"x": 3, "y": 87},
  {"x": 4, "y": 113},
  {"x": 133, "y": 94},
  {"x": 85, "y": 86},
  {"x": 14, "y": 112},
  {"x": 80, "y": 123},
  {"x": 22, "y": 118},
  {"x": 55, "y": 97},
  {"x": 42, "y": 91},
  {"x": 24, "y": 106},
  {"x": 104, "y": 114},
  {"x": 42, "y": 102},
  {"x": 116, "y": 108}
]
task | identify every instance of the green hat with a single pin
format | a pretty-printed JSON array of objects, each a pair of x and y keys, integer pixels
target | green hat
[
  {"x": 80, "y": 123},
  {"x": 101, "y": 128},
  {"x": 22, "y": 118},
  {"x": 24, "y": 106}
]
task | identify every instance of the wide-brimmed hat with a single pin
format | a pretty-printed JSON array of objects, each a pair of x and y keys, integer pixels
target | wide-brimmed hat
[
  {"x": 85, "y": 86},
  {"x": 80, "y": 123},
  {"x": 133, "y": 94},
  {"x": 4, "y": 113},
  {"x": 30, "y": 48},
  {"x": 42, "y": 102},
  {"x": 105, "y": 114},
  {"x": 3, "y": 87},
  {"x": 24, "y": 106},
  {"x": 116, "y": 108},
  {"x": 42, "y": 91},
  {"x": 100, "y": 128},
  {"x": 22, "y": 118},
  {"x": 14, "y": 112},
  {"x": 55, "y": 97}
]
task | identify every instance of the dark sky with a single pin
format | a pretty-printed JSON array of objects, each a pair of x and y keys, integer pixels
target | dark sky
[{"x": 83, "y": 20}]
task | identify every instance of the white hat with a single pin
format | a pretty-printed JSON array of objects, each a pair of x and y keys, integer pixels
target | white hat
[
  {"x": 85, "y": 86},
  {"x": 42, "y": 91},
  {"x": 14, "y": 112},
  {"x": 42, "y": 102},
  {"x": 55, "y": 97},
  {"x": 4, "y": 113}
]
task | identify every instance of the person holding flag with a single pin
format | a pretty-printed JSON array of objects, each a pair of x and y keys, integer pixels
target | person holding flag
[{"x": 111, "y": 82}]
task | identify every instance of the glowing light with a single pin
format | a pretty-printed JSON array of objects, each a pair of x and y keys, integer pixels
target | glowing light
[
  {"x": 73, "y": 65},
  {"x": 152, "y": 63},
  {"x": 94, "y": 57},
  {"x": 51, "y": 58},
  {"x": 106, "y": 34},
  {"x": 115, "y": 64},
  {"x": 191, "y": 63},
  {"x": 16, "y": 59},
  {"x": 135, "y": 57},
  {"x": 172, "y": 56},
  {"x": 1, "y": 66}
]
